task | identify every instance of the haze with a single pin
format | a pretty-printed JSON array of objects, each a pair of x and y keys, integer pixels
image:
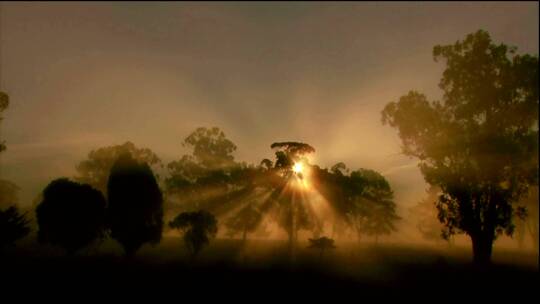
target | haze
[{"x": 85, "y": 75}]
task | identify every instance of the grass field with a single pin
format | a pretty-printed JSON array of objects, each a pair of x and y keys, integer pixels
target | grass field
[{"x": 264, "y": 268}]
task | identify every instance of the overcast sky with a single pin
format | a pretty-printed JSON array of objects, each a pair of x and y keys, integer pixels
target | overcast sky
[{"x": 86, "y": 75}]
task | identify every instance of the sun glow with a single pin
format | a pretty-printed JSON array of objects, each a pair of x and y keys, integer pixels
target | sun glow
[{"x": 298, "y": 168}]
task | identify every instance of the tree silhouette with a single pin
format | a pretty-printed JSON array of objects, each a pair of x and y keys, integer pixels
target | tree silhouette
[
  {"x": 290, "y": 152},
  {"x": 245, "y": 221},
  {"x": 71, "y": 215},
  {"x": 96, "y": 169},
  {"x": 198, "y": 228},
  {"x": 13, "y": 226},
  {"x": 373, "y": 209},
  {"x": 480, "y": 143},
  {"x": 322, "y": 244},
  {"x": 361, "y": 199},
  {"x": 135, "y": 213}
]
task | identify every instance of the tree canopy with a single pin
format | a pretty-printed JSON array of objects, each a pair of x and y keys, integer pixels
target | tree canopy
[
  {"x": 71, "y": 215},
  {"x": 95, "y": 170},
  {"x": 289, "y": 152},
  {"x": 211, "y": 148}
]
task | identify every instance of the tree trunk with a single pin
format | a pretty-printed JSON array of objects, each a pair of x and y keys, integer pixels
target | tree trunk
[
  {"x": 244, "y": 236},
  {"x": 292, "y": 235},
  {"x": 482, "y": 248}
]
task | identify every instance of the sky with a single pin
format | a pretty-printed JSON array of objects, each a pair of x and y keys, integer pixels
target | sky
[{"x": 86, "y": 75}]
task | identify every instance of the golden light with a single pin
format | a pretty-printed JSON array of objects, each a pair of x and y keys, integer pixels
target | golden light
[{"x": 298, "y": 167}]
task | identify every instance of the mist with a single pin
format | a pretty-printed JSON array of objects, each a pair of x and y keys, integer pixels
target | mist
[{"x": 91, "y": 81}]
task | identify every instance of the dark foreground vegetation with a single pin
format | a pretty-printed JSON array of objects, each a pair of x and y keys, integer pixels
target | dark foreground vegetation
[{"x": 262, "y": 268}]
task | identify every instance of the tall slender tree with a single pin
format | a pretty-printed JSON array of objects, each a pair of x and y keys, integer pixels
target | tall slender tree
[{"x": 135, "y": 211}]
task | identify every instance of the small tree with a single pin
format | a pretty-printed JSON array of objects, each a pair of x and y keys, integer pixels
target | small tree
[
  {"x": 245, "y": 221},
  {"x": 71, "y": 215},
  {"x": 198, "y": 228},
  {"x": 322, "y": 244},
  {"x": 13, "y": 226},
  {"x": 370, "y": 206},
  {"x": 135, "y": 213},
  {"x": 380, "y": 218}
]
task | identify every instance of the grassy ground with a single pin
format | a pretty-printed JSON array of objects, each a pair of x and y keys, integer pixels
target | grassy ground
[{"x": 262, "y": 268}]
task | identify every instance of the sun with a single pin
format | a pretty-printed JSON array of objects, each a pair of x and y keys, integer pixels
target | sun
[{"x": 298, "y": 168}]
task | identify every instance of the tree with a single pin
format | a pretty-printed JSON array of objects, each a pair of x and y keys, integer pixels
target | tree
[
  {"x": 372, "y": 208},
  {"x": 480, "y": 143},
  {"x": 322, "y": 244},
  {"x": 361, "y": 199},
  {"x": 135, "y": 213},
  {"x": 290, "y": 152},
  {"x": 13, "y": 226},
  {"x": 245, "y": 221},
  {"x": 207, "y": 172},
  {"x": 211, "y": 148},
  {"x": 380, "y": 218},
  {"x": 71, "y": 215},
  {"x": 293, "y": 214},
  {"x": 95, "y": 170},
  {"x": 198, "y": 228}
]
